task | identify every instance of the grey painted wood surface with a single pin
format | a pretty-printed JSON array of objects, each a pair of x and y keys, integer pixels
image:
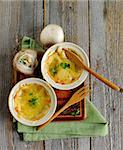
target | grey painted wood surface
[
  {"x": 97, "y": 26},
  {"x": 99, "y": 64},
  {"x": 105, "y": 52}
]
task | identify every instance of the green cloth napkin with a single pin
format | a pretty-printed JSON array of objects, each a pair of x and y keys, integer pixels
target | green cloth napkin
[
  {"x": 94, "y": 125},
  {"x": 29, "y": 43}
]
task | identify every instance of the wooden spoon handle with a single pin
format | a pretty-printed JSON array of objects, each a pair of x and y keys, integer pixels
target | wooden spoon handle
[
  {"x": 53, "y": 117},
  {"x": 101, "y": 78},
  {"x": 78, "y": 61}
]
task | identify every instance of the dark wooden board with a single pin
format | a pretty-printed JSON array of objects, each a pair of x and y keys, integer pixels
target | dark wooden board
[{"x": 68, "y": 114}]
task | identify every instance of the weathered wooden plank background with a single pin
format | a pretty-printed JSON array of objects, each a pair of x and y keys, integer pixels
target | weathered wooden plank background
[{"x": 97, "y": 26}]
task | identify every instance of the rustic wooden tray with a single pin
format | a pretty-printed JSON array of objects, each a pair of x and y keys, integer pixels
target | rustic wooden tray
[{"x": 75, "y": 112}]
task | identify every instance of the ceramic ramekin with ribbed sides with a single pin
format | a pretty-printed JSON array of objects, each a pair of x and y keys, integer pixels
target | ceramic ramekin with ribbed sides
[
  {"x": 78, "y": 50},
  {"x": 49, "y": 90}
]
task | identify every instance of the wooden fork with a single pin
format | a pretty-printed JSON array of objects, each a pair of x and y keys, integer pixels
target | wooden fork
[{"x": 76, "y": 97}]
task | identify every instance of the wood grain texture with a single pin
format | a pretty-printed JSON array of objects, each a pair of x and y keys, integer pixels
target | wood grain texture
[
  {"x": 17, "y": 18},
  {"x": 30, "y": 24},
  {"x": 95, "y": 26},
  {"x": 100, "y": 95},
  {"x": 105, "y": 55},
  {"x": 7, "y": 44},
  {"x": 73, "y": 17},
  {"x": 120, "y": 68},
  {"x": 113, "y": 28}
]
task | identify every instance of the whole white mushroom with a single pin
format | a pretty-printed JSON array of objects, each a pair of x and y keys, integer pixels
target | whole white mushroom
[{"x": 51, "y": 34}]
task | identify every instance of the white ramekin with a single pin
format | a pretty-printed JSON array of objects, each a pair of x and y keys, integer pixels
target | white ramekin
[
  {"x": 51, "y": 50},
  {"x": 52, "y": 107}
]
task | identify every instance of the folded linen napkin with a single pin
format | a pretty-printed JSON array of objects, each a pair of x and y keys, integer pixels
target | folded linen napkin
[{"x": 94, "y": 125}]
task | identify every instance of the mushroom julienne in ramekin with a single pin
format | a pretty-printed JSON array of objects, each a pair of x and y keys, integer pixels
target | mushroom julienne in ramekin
[
  {"x": 32, "y": 101},
  {"x": 61, "y": 72},
  {"x": 61, "y": 69}
]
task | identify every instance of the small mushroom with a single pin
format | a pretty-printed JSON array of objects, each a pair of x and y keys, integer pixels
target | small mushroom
[
  {"x": 25, "y": 61},
  {"x": 51, "y": 34}
]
